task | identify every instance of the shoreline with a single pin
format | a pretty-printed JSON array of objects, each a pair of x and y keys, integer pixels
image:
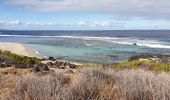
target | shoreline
[
  {"x": 19, "y": 49},
  {"x": 22, "y": 49}
]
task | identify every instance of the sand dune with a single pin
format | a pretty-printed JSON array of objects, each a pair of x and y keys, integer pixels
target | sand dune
[{"x": 19, "y": 49}]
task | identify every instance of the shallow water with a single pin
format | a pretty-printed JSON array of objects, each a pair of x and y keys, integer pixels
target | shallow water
[{"x": 92, "y": 46}]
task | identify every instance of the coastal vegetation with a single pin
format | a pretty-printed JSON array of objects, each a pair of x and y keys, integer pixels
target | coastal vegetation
[
  {"x": 86, "y": 84},
  {"x": 137, "y": 79},
  {"x": 145, "y": 64},
  {"x": 8, "y": 59}
]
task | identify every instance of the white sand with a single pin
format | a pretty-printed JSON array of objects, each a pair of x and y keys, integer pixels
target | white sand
[{"x": 20, "y": 49}]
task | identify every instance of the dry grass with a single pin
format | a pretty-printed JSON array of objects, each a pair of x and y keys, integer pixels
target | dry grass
[
  {"x": 142, "y": 85},
  {"x": 14, "y": 71},
  {"x": 87, "y": 84}
]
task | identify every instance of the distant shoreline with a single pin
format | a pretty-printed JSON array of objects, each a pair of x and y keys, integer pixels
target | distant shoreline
[{"x": 19, "y": 49}]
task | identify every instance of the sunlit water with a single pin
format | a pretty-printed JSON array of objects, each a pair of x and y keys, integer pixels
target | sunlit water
[{"x": 92, "y": 46}]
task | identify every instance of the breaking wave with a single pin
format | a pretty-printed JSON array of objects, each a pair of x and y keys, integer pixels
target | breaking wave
[{"x": 117, "y": 40}]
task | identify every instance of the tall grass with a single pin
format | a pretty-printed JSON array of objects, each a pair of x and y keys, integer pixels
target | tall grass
[
  {"x": 92, "y": 84},
  {"x": 142, "y": 85}
]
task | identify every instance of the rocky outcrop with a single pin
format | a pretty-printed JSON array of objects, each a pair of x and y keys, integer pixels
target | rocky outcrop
[
  {"x": 156, "y": 57},
  {"x": 113, "y": 56},
  {"x": 135, "y": 44},
  {"x": 40, "y": 68},
  {"x": 52, "y": 58},
  {"x": 7, "y": 61},
  {"x": 4, "y": 62},
  {"x": 52, "y": 62},
  {"x": 61, "y": 64}
]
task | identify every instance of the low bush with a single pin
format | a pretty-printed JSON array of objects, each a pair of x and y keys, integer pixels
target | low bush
[
  {"x": 145, "y": 64},
  {"x": 18, "y": 61},
  {"x": 89, "y": 84},
  {"x": 19, "y": 58}
]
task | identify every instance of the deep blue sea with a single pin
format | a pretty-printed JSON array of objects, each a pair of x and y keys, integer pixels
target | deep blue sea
[{"x": 92, "y": 46}]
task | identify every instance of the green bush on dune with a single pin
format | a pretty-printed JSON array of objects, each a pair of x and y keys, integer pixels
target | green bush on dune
[
  {"x": 19, "y": 58},
  {"x": 146, "y": 64},
  {"x": 135, "y": 64}
]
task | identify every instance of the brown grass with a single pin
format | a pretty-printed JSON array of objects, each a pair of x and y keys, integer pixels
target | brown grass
[
  {"x": 87, "y": 84},
  {"x": 14, "y": 71}
]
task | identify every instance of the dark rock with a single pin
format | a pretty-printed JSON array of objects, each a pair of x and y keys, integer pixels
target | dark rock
[
  {"x": 72, "y": 66},
  {"x": 113, "y": 56},
  {"x": 52, "y": 58},
  {"x": 61, "y": 67},
  {"x": 36, "y": 69},
  {"x": 2, "y": 59},
  {"x": 40, "y": 68},
  {"x": 157, "y": 57},
  {"x": 45, "y": 68},
  {"x": 61, "y": 64},
  {"x": 140, "y": 56},
  {"x": 2, "y": 65},
  {"x": 135, "y": 44},
  {"x": 4, "y": 62},
  {"x": 57, "y": 64},
  {"x": 44, "y": 59}
]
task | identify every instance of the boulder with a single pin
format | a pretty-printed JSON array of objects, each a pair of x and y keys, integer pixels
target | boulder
[
  {"x": 2, "y": 65},
  {"x": 51, "y": 58},
  {"x": 61, "y": 64},
  {"x": 2, "y": 59},
  {"x": 45, "y": 68},
  {"x": 113, "y": 56},
  {"x": 57, "y": 64},
  {"x": 135, "y": 44},
  {"x": 40, "y": 68},
  {"x": 36, "y": 69},
  {"x": 72, "y": 66},
  {"x": 155, "y": 57}
]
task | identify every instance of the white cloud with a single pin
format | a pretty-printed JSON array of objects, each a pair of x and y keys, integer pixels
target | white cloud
[
  {"x": 101, "y": 24},
  {"x": 15, "y": 22},
  {"x": 122, "y": 8},
  {"x": 82, "y": 23},
  {"x": 40, "y": 24},
  {"x": 51, "y": 24}
]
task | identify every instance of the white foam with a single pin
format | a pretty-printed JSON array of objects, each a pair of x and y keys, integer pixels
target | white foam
[
  {"x": 125, "y": 41},
  {"x": 155, "y": 46},
  {"x": 87, "y": 44}
]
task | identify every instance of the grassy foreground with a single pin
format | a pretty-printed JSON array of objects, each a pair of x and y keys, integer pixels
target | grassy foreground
[
  {"x": 86, "y": 84},
  {"x": 134, "y": 80}
]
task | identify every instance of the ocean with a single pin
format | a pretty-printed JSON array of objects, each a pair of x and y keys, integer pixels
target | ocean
[{"x": 92, "y": 46}]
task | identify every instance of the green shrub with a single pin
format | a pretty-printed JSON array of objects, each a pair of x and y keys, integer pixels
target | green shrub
[
  {"x": 19, "y": 58},
  {"x": 144, "y": 64}
]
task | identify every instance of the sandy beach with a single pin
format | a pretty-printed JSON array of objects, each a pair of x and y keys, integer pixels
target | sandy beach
[{"x": 20, "y": 49}]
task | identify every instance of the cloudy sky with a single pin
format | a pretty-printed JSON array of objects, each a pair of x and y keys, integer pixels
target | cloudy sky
[{"x": 84, "y": 14}]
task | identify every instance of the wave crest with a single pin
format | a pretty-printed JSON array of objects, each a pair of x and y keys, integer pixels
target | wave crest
[{"x": 117, "y": 40}]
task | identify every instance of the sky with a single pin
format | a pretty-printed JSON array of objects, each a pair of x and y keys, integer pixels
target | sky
[{"x": 84, "y": 14}]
